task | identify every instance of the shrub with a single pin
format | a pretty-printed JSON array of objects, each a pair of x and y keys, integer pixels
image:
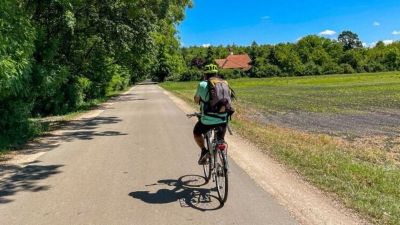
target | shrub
[
  {"x": 374, "y": 66},
  {"x": 347, "y": 68},
  {"x": 119, "y": 78},
  {"x": 193, "y": 74},
  {"x": 332, "y": 68},
  {"x": 311, "y": 68},
  {"x": 232, "y": 73},
  {"x": 14, "y": 123},
  {"x": 267, "y": 70}
]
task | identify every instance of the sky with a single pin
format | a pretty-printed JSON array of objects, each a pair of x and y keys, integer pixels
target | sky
[{"x": 240, "y": 22}]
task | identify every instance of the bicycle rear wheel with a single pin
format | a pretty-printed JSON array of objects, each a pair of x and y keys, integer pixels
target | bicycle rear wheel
[
  {"x": 207, "y": 165},
  {"x": 221, "y": 175}
]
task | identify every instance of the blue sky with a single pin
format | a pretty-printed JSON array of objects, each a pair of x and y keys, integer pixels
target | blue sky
[{"x": 269, "y": 22}]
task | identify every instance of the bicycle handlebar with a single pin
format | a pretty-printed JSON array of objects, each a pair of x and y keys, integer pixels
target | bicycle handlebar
[{"x": 198, "y": 115}]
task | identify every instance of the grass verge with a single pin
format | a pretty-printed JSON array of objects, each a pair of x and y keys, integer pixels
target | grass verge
[{"x": 364, "y": 178}]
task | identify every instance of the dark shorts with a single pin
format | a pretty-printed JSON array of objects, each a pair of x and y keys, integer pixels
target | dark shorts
[{"x": 200, "y": 129}]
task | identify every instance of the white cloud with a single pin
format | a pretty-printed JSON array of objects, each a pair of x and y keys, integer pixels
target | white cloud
[
  {"x": 396, "y": 32},
  {"x": 327, "y": 33},
  {"x": 372, "y": 44},
  {"x": 299, "y": 38},
  {"x": 388, "y": 42},
  {"x": 206, "y": 45},
  {"x": 265, "y": 18},
  {"x": 376, "y": 24},
  {"x": 365, "y": 45}
]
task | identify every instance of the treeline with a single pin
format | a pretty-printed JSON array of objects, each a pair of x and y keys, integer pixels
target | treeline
[
  {"x": 312, "y": 55},
  {"x": 58, "y": 55}
]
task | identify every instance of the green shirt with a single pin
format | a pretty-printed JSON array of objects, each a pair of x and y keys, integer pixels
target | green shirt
[{"x": 202, "y": 92}]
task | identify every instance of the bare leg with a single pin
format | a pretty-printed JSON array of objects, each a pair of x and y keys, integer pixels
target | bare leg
[{"x": 199, "y": 140}]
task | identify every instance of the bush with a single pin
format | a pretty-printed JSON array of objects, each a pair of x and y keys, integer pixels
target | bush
[
  {"x": 232, "y": 73},
  {"x": 347, "y": 68},
  {"x": 392, "y": 59},
  {"x": 267, "y": 70},
  {"x": 332, "y": 68},
  {"x": 14, "y": 121},
  {"x": 193, "y": 74},
  {"x": 119, "y": 78},
  {"x": 374, "y": 66},
  {"x": 311, "y": 68}
]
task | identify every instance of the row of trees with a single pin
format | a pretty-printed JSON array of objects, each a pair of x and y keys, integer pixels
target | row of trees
[
  {"x": 312, "y": 55},
  {"x": 57, "y": 55}
]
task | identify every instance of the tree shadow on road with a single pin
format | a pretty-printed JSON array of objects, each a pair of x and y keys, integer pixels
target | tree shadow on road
[
  {"x": 130, "y": 97},
  {"x": 24, "y": 177},
  {"x": 186, "y": 190},
  {"x": 68, "y": 131},
  {"x": 25, "y": 180}
]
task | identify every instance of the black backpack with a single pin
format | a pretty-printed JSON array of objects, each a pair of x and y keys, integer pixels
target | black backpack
[{"x": 221, "y": 97}]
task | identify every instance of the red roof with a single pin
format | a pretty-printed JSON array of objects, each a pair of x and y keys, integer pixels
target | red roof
[
  {"x": 235, "y": 62},
  {"x": 220, "y": 62}
]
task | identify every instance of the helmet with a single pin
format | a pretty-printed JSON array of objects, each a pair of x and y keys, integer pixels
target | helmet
[{"x": 211, "y": 69}]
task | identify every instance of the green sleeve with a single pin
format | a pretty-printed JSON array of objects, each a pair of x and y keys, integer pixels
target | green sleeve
[
  {"x": 198, "y": 90},
  {"x": 202, "y": 91}
]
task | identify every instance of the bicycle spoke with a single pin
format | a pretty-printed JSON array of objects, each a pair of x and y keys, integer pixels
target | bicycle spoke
[{"x": 221, "y": 177}]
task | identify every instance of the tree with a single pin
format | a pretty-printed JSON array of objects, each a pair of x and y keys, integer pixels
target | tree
[
  {"x": 56, "y": 55},
  {"x": 380, "y": 44},
  {"x": 162, "y": 69},
  {"x": 210, "y": 58},
  {"x": 312, "y": 50},
  {"x": 197, "y": 62},
  {"x": 17, "y": 36},
  {"x": 254, "y": 50},
  {"x": 349, "y": 40},
  {"x": 392, "y": 59}
]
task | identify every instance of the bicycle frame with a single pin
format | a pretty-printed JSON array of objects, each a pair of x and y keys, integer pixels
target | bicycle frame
[
  {"x": 217, "y": 166},
  {"x": 214, "y": 142}
]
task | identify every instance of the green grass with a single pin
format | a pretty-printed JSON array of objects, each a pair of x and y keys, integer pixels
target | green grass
[
  {"x": 363, "y": 177},
  {"x": 334, "y": 93}
]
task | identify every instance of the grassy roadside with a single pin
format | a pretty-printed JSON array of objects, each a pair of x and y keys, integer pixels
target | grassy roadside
[
  {"x": 40, "y": 126},
  {"x": 363, "y": 177}
]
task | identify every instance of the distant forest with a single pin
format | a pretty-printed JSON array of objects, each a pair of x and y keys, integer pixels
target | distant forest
[{"x": 312, "y": 55}]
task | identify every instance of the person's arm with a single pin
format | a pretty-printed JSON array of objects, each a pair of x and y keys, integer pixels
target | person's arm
[{"x": 197, "y": 97}]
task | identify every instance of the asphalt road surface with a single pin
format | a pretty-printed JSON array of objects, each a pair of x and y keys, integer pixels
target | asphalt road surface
[{"x": 135, "y": 163}]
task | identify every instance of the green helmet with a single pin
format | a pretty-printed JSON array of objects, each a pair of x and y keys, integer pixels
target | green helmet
[{"x": 211, "y": 69}]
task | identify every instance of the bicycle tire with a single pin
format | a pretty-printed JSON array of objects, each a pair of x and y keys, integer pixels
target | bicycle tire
[
  {"x": 207, "y": 166},
  {"x": 221, "y": 179}
]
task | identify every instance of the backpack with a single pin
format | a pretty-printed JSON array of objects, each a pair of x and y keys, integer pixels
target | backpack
[{"x": 221, "y": 96}]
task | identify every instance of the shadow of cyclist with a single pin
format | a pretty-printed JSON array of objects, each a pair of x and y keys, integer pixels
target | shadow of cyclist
[{"x": 186, "y": 190}]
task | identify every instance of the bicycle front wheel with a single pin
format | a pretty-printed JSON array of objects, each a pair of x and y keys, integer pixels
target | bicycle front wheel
[{"x": 221, "y": 175}]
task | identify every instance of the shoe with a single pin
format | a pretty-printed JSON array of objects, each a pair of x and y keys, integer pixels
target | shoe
[{"x": 203, "y": 157}]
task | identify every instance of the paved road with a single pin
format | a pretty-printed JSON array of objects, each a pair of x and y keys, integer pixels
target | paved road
[{"x": 134, "y": 163}]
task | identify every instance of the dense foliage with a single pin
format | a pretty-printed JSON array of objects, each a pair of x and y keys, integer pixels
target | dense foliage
[
  {"x": 312, "y": 55},
  {"x": 57, "y": 55}
]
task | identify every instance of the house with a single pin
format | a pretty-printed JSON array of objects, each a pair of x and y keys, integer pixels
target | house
[{"x": 235, "y": 62}]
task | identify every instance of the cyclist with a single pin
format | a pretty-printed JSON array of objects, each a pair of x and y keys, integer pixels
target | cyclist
[{"x": 207, "y": 121}]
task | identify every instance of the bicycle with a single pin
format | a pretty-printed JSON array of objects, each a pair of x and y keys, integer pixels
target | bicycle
[{"x": 217, "y": 165}]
